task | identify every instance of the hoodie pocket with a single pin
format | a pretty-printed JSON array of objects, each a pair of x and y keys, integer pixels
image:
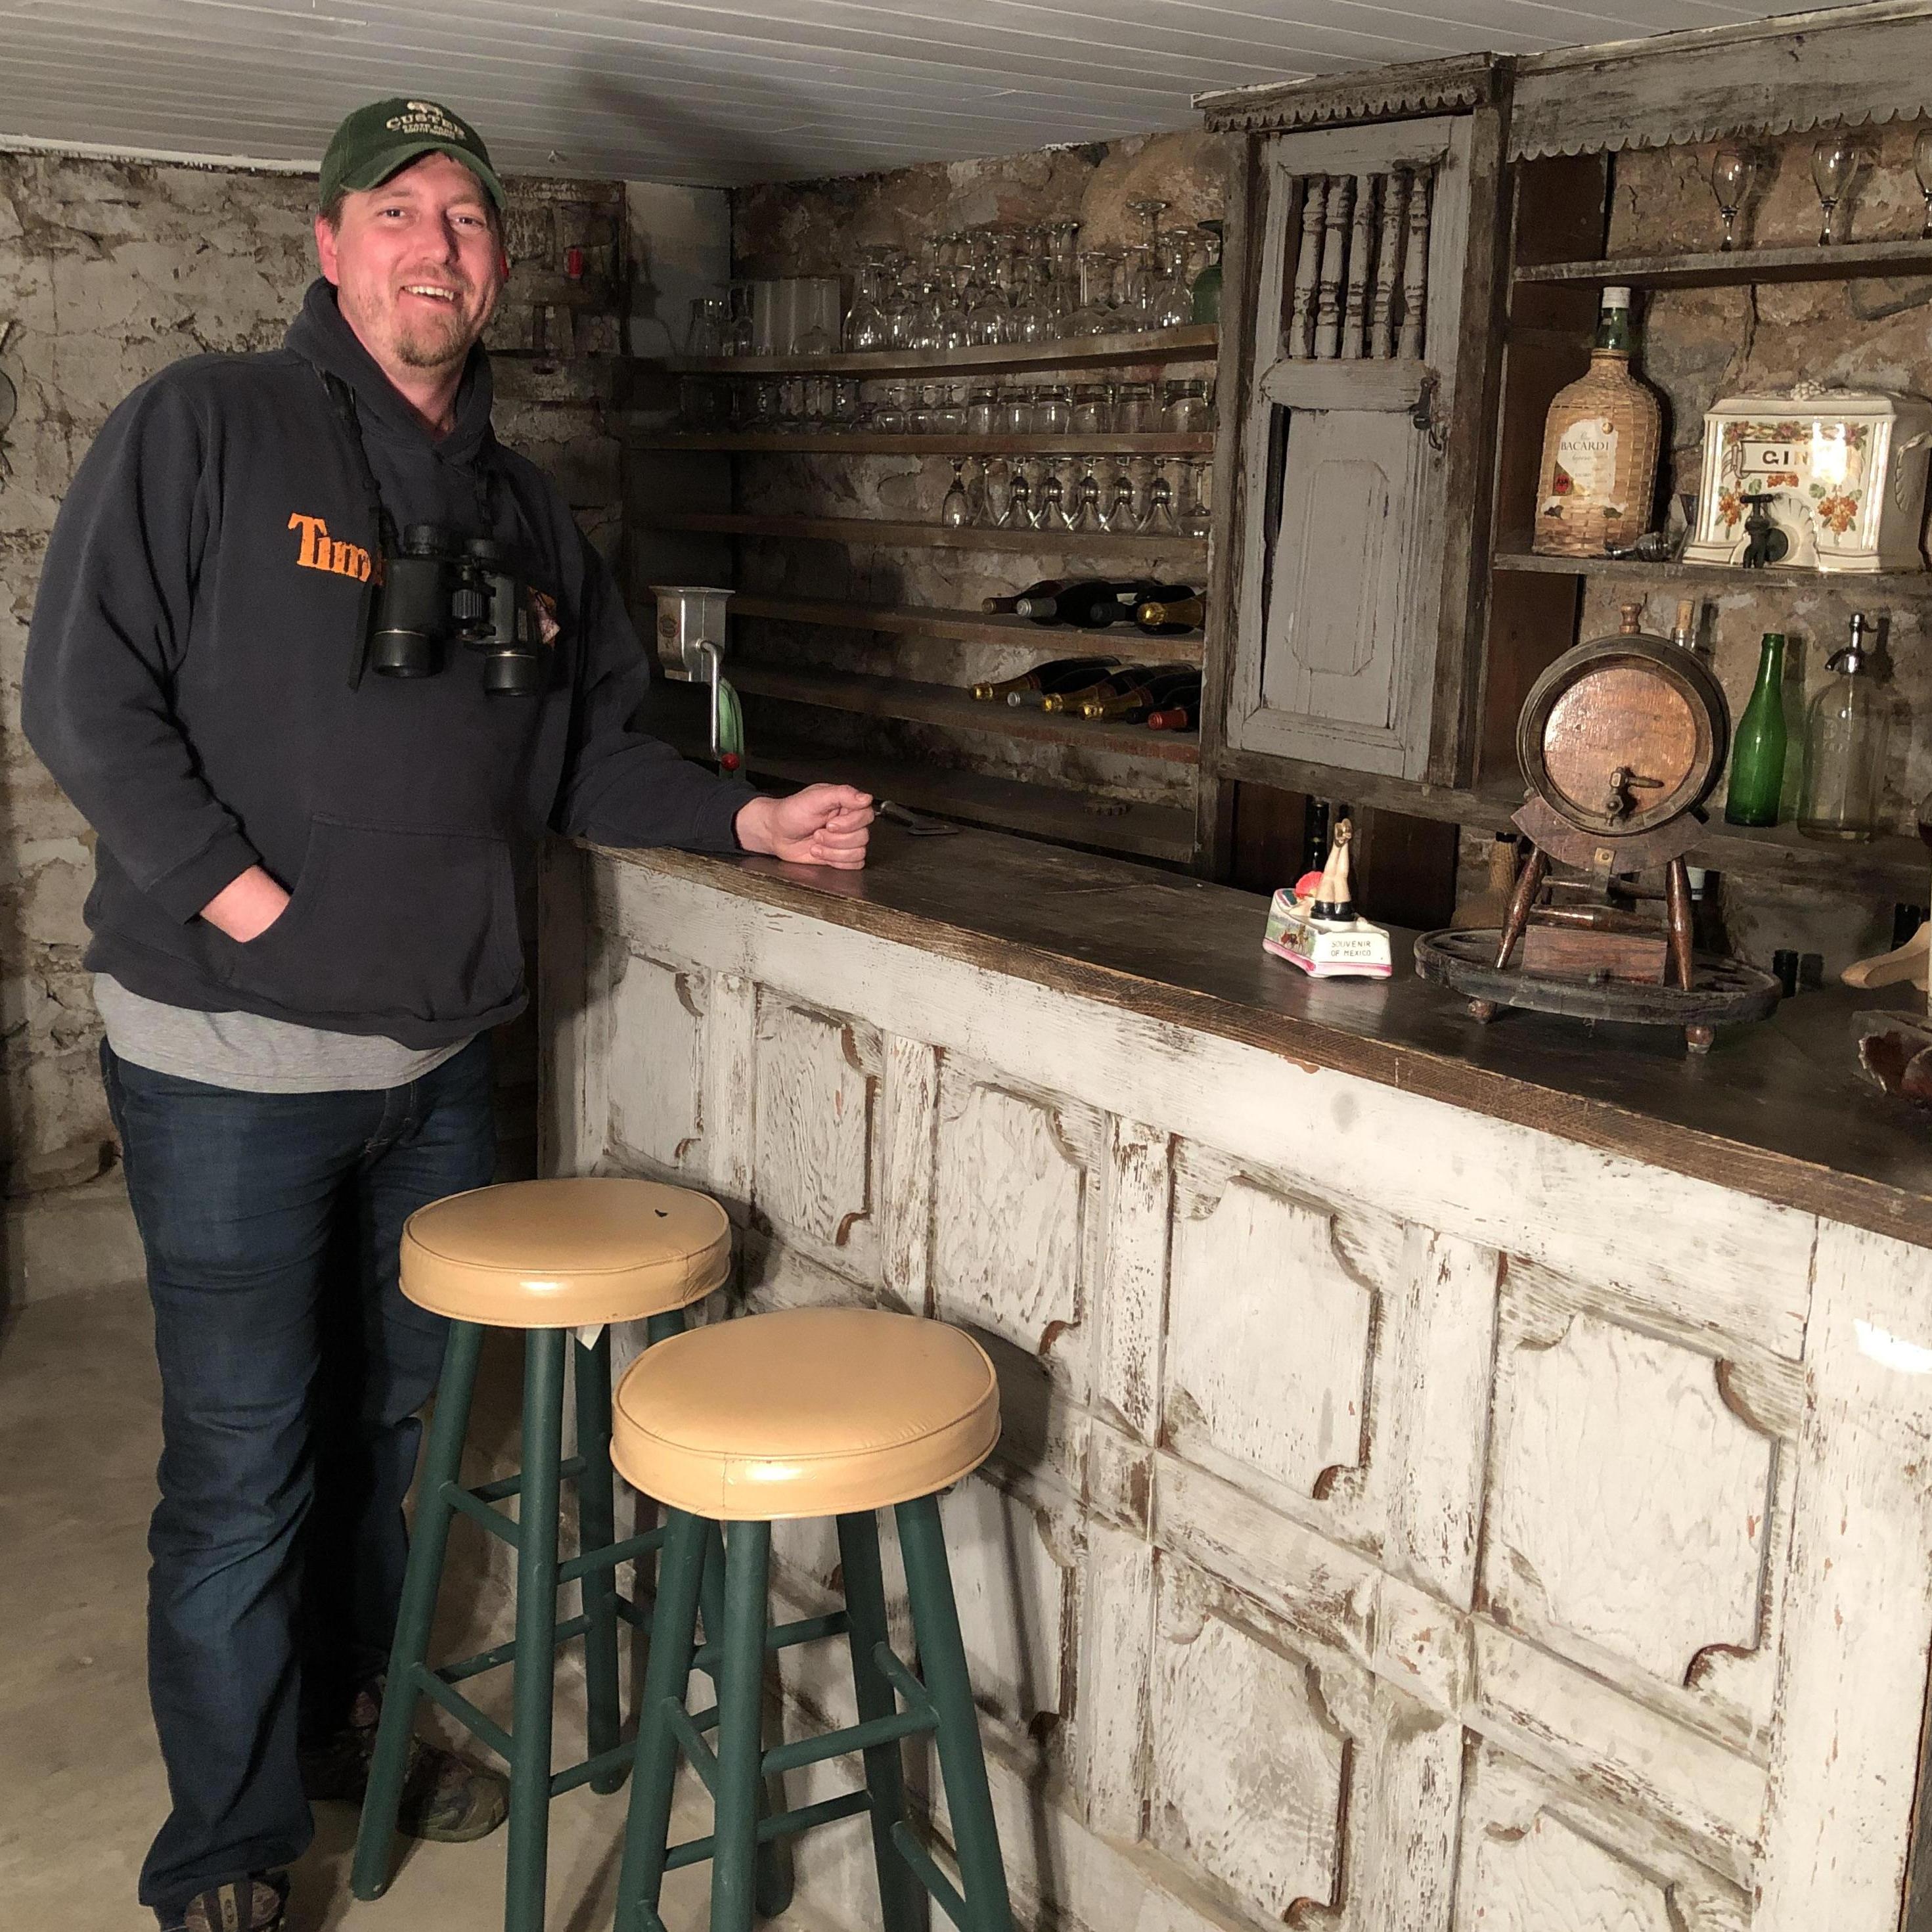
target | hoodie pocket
[{"x": 386, "y": 923}]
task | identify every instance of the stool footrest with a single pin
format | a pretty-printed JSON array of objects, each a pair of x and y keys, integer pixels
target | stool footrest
[
  {"x": 781, "y": 1636},
  {"x": 853, "y": 1738},
  {"x": 484, "y": 1729},
  {"x": 925, "y": 1869},
  {"x": 704, "y": 1759},
  {"x": 896, "y": 1672},
  {"x": 487, "y": 1514},
  {"x": 609, "y": 1557},
  {"x": 504, "y": 1653},
  {"x": 592, "y": 1767},
  {"x": 513, "y": 1486},
  {"x": 780, "y": 1825}
]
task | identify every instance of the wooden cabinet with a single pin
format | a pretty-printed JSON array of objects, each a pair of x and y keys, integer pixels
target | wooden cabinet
[{"x": 1361, "y": 372}]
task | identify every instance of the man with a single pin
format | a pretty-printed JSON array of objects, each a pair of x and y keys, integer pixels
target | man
[{"x": 303, "y": 924}]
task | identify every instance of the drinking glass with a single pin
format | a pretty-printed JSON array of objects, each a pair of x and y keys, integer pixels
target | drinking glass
[
  {"x": 1170, "y": 295},
  {"x": 982, "y": 412},
  {"x": 1133, "y": 410},
  {"x": 1732, "y": 170},
  {"x": 956, "y": 512},
  {"x": 1922, "y": 166},
  {"x": 740, "y": 334},
  {"x": 1086, "y": 516},
  {"x": 865, "y": 319},
  {"x": 847, "y": 410},
  {"x": 1016, "y": 411},
  {"x": 1096, "y": 314},
  {"x": 1018, "y": 514},
  {"x": 1117, "y": 511},
  {"x": 1093, "y": 409},
  {"x": 1194, "y": 519},
  {"x": 948, "y": 417},
  {"x": 1184, "y": 407},
  {"x": 1835, "y": 161},
  {"x": 1049, "y": 509},
  {"x": 1052, "y": 412},
  {"x": 889, "y": 418},
  {"x": 986, "y": 511},
  {"x": 707, "y": 335},
  {"x": 1156, "y": 519}
]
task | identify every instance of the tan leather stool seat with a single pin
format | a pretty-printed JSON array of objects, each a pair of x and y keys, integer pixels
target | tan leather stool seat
[
  {"x": 811, "y": 1411},
  {"x": 565, "y": 1254}
]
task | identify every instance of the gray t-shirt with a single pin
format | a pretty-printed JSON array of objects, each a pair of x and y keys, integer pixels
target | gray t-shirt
[{"x": 253, "y": 1053}]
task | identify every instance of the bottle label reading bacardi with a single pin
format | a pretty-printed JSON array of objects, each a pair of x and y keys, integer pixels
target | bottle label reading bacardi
[{"x": 1586, "y": 467}]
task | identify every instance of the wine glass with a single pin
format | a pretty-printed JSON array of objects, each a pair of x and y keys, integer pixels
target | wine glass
[
  {"x": 1117, "y": 511},
  {"x": 1194, "y": 519},
  {"x": 1835, "y": 161},
  {"x": 1922, "y": 166},
  {"x": 1156, "y": 519},
  {"x": 956, "y": 512},
  {"x": 1732, "y": 170},
  {"x": 1049, "y": 510},
  {"x": 1017, "y": 515}
]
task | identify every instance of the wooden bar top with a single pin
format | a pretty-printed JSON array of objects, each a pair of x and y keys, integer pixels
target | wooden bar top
[{"x": 1775, "y": 1110}]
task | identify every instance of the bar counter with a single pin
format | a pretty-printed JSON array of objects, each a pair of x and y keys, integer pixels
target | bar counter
[{"x": 1454, "y": 1476}]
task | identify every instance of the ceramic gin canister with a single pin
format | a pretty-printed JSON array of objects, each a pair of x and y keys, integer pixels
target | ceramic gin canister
[{"x": 1844, "y": 470}]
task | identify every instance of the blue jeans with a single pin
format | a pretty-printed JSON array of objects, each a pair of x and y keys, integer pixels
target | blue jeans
[{"x": 291, "y": 1370}]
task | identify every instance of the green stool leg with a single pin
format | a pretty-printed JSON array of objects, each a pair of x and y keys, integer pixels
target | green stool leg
[
  {"x": 666, "y": 1672},
  {"x": 741, "y": 1694},
  {"x": 942, "y": 1657},
  {"x": 774, "y": 1867},
  {"x": 535, "y": 1667},
  {"x": 596, "y": 1527},
  {"x": 441, "y": 1467},
  {"x": 901, "y": 1897}
]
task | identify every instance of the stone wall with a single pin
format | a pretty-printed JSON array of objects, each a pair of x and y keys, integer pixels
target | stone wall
[{"x": 110, "y": 271}]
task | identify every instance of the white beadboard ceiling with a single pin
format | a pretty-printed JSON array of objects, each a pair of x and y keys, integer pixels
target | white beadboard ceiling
[{"x": 717, "y": 94}]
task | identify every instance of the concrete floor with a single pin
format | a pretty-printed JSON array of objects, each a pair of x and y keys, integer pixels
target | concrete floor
[{"x": 81, "y": 1789}]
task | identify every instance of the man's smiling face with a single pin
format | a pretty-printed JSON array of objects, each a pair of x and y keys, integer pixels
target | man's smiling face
[{"x": 417, "y": 264}]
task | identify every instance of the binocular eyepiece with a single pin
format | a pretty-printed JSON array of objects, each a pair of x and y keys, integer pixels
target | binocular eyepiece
[{"x": 439, "y": 588}]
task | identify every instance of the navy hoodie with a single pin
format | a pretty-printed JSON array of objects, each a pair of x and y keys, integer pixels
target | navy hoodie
[{"x": 187, "y": 683}]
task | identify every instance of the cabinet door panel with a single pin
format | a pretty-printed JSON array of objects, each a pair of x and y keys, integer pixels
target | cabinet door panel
[{"x": 1365, "y": 238}]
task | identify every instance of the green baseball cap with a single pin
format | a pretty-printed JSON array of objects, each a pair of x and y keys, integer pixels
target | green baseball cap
[{"x": 377, "y": 141}]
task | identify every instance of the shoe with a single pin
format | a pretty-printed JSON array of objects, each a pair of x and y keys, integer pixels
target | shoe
[
  {"x": 242, "y": 1905},
  {"x": 446, "y": 1799}
]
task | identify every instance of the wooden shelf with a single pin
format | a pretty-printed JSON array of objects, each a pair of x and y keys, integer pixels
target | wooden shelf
[
  {"x": 958, "y": 710},
  {"x": 976, "y": 627},
  {"x": 1163, "y": 832},
  {"x": 1894, "y": 864},
  {"x": 1632, "y": 570},
  {"x": 780, "y": 443},
  {"x": 877, "y": 530},
  {"x": 1716, "y": 269},
  {"x": 1196, "y": 343}
]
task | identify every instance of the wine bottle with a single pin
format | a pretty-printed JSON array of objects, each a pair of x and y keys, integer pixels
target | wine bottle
[
  {"x": 1163, "y": 616},
  {"x": 1757, "y": 752},
  {"x": 1000, "y": 607},
  {"x": 1118, "y": 677},
  {"x": 1061, "y": 674},
  {"x": 1091, "y": 605},
  {"x": 1180, "y": 711},
  {"x": 1150, "y": 690}
]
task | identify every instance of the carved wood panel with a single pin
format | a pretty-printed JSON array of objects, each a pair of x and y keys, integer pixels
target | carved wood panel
[
  {"x": 653, "y": 1072},
  {"x": 1538, "y": 1858},
  {"x": 1251, "y": 1767},
  {"x": 1014, "y": 1213},
  {"x": 1273, "y": 1314},
  {"x": 1630, "y": 1500},
  {"x": 816, "y": 1088}
]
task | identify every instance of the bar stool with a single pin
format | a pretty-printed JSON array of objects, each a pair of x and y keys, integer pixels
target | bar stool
[
  {"x": 547, "y": 1257},
  {"x": 810, "y": 1412}
]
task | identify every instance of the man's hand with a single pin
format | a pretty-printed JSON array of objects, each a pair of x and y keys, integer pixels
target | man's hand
[
  {"x": 247, "y": 907},
  {"x": 823, "y": 825}
]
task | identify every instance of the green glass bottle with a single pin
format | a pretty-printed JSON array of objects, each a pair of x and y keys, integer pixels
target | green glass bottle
[
  {"x": 1757, "y": 751},
  {"x": 1206, "y": 290}
]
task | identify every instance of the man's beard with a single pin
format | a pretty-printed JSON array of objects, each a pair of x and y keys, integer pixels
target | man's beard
[{"x": 433, "y": 343}]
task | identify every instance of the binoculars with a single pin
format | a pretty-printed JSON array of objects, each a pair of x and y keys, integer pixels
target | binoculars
[{"x": 440, "y": 589}]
